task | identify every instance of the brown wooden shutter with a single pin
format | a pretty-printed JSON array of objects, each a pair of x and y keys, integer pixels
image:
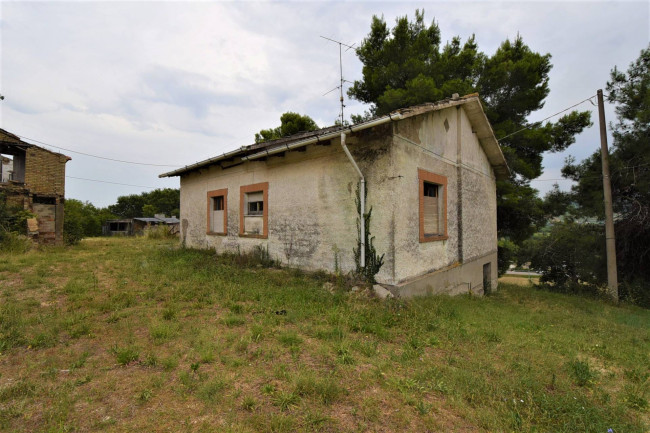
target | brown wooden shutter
[{"x": 431, "y": 219}]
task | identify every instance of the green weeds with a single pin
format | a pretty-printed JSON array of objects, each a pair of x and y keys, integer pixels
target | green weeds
[
  {"x": 582, "y": 374},
  {"x": 125, "y": 355},
  {"x": 211, "y": 390}
]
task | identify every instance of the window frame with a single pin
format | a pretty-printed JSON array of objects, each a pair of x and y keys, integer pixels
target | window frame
[
  {"x": 262, "y": 187},
  {"x": 212, "y": 195},
  {"x": 425, "y": 176}
]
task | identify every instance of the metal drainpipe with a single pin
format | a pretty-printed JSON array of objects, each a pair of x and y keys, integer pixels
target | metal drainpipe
[{"x": 362, "y": 201}]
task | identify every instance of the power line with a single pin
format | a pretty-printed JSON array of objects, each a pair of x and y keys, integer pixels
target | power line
[
  {"x": 551, "y": 180},
  {"x": 543, "y": 120},
  {"x": 626, "y": 168},
  {"x": 114, "y": 183},
  {"x": 95, "y": 156}
]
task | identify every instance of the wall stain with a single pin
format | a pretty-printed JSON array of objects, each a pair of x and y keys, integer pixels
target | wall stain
[{"x": 300, "y": 237}]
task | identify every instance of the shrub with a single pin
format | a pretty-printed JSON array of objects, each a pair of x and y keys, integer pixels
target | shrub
[
  {"x": 73, "y": 231},
  {"x": 14, "y": 243},
  {"x": 13, "y": 228},
  {"x": 570, "y": 257},
  {"x": 507, "y": 253},
  {"x": 160, "y": 231},
  {"x": 257, "y": 257},
  {"x": 636, "y": 292}
]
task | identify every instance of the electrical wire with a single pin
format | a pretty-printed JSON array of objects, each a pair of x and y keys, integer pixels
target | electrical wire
[
  {"x": 615, "y": 172},
  {"x": 96, "y": 156},
  {"x": 551, "y": 180},
  {"x": 543, "y": 120},
  {"x": 114, "y": 183}
]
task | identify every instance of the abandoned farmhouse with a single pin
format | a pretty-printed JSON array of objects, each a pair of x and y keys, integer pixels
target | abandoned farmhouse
[
  {"x": 33, "y": 179},
  {"x": 429, "y": 176}
]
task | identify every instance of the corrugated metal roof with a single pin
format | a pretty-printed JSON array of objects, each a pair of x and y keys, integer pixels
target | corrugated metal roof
[
  {"x": 147, "y": 219},
  {"x": 170, "y": 220}
]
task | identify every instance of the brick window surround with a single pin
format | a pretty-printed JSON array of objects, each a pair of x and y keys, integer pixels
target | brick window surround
[
  {"x": 262, "y": 187},
  {"x": 441, "y": 181},
  {"x": 212, "y": 195}
]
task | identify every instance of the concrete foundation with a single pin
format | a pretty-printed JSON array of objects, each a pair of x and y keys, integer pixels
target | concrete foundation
[{"x": 469, "y": 277}]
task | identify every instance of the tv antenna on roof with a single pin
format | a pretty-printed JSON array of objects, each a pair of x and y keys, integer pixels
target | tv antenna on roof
[{"x": 340, "y": 87}]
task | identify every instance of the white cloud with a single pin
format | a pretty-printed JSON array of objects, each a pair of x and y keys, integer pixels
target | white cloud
[{"x": 177, "y": 82}]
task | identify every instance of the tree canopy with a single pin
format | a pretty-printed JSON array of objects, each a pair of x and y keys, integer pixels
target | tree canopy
[
  {"x": 290, "y": 123},
  {"x": 629, "y": 173},
  {"x": 408, "y": 65},
  {"x": 166, "y": 201}
]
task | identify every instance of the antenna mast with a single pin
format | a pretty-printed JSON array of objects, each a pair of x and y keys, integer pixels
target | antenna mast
[{"x": 340, "y": 87}]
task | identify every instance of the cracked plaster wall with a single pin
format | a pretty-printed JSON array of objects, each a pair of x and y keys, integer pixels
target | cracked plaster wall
[
  {"x": 430, "y": 142},
  {"x": 311, "y": 204}
]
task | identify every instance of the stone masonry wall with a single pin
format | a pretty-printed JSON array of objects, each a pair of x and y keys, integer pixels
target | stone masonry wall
[{"x": 45, "y": 172}]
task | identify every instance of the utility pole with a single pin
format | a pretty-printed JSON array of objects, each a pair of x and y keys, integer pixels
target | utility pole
[{"x": 610, "y": 239}]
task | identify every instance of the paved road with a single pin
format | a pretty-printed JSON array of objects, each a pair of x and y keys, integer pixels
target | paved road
[{"x": 525, "y": 273}]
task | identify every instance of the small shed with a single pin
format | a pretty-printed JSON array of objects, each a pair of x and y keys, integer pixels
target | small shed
[{"x": 137, "y": 226}]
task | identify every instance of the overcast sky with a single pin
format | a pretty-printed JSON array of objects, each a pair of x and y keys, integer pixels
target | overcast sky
[{"x": 172, "y": 83}]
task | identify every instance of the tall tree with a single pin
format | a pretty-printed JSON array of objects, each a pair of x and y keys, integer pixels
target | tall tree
[
  {"x": 290, "y": 123},
  {"x": 166, "y": 200},
  {"x": 629, "y": 171},
  {"x": 407, "y": 65}
]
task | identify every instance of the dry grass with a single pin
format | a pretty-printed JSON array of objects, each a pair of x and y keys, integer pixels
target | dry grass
[
  {"x": 128, "y": 334},
  {"x": 519, "y": 280}
]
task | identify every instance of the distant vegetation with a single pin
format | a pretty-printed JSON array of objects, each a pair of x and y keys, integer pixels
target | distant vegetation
[
  {"x": 166, "y": 201},
  {"x": 83, "y": 219}
]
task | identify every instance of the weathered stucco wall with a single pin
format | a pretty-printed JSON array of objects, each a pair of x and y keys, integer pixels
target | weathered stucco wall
[
  {"x": 311, "y": 203},
  {"x": 443, "y": 143},
  {"x": 424, "y": 142}
]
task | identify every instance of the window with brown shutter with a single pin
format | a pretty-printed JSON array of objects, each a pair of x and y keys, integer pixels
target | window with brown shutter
[{"x": 432, "y": 206}]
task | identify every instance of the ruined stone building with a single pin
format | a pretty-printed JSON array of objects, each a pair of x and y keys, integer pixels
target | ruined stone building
[
  {"x": 429, "y": 173},
  {"x": 33, "y": 179}
]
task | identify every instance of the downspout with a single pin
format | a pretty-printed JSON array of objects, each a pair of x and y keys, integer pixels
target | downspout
[
  {"x": 362, "y": 202},
  {"x": 459, "y": 183}
]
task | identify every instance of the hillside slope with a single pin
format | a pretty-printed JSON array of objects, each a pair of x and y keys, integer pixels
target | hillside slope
[{"x": 127, "y": 334}]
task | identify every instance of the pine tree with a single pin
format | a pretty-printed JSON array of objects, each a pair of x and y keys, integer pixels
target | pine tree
[
  {"x": 407, "y": 65},
  {"x": 630, "y": 177}
]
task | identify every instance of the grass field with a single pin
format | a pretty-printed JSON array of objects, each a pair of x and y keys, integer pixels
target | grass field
[{"x": 135, "y": 334}]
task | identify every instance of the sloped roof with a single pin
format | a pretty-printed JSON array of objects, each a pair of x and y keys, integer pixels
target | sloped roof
[
  {"x": 10, "y": 142},
  {"x": 471, "y": 104}
]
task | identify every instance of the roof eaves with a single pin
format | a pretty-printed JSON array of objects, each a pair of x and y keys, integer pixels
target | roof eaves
[{"x": 247, "y": 150}]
